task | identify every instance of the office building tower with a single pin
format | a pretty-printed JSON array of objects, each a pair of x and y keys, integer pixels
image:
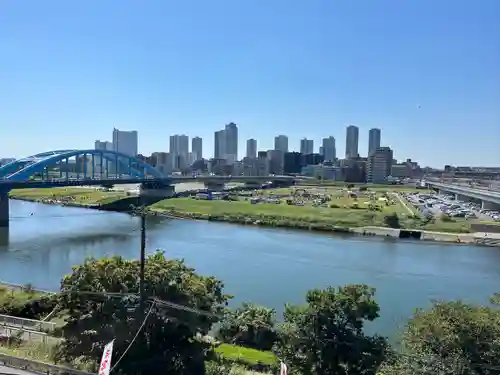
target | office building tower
[
  {"x": 179, "y": 151},
  {"x": 379, "y": 165},
  {"x": 275, "y": 162},
  {"x": 251, "y": 148},
  {"x": 329, "y": 150},
  {"x": 125, "y": 142},
  {"x": 306, "y": 146},
  {"x": 197, "y": 148},
  {"x": 351, "y": 143},
  {"x": 281, "y": 143},
  {"x": 231, "y": 132},
  {"x": 219, "y": 144},
  {"x": 373, "y": 140}
]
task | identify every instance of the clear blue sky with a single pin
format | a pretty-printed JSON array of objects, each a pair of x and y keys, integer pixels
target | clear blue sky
[{"x": 71, "y": 70}]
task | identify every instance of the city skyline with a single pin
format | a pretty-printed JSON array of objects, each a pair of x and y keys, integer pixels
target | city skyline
[{"x": 70, "y": 71}]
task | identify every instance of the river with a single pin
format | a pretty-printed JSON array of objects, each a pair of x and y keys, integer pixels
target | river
[{"x": 267, "y": 266}]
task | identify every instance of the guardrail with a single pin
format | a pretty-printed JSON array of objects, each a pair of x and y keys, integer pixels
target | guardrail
[
  {"x": 23, "y": 332},
  {"x": 38, "y": 367},
  {"x": 23, "y": 323}
]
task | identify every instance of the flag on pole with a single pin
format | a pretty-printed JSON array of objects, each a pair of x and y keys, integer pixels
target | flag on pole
[
  {"x": 283, "y": 369},
  {"x": 106, "y": 359}
]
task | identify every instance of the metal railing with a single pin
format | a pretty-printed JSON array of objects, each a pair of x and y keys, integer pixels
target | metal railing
[
  {"x": 23, "y": 323},
  {"x": 38, "y": 367},
  {"x": 25, "y": 334}
]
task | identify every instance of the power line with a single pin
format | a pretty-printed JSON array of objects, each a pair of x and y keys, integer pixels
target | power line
[{"x": 135, "y": 337}]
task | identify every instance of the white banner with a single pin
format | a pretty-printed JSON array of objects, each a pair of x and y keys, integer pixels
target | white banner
[
  {"x": 283, "y": 369},
  {"x": 106, "y": 359}
]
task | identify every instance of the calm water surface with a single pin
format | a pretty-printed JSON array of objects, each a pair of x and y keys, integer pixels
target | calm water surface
[{"x": 267, "y": 266}]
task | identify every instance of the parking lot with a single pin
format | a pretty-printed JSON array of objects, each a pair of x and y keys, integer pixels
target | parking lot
[{"x": 433, "y": 204}]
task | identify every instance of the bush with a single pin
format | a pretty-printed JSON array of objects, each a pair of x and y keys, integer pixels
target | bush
[
  {"x": 446, "y": 218},
  {"x": 392, "y": 221}
]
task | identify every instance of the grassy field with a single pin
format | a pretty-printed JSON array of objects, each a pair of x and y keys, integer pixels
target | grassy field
[
  {"x": 342, "y": 210},
  {"x": 84, "y": 196},
  {"x": 247, "y": 355}
]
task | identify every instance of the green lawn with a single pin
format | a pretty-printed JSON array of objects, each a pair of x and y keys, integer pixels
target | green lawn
[
  {"x": 343, "y": 215},
  {"x": 77, "y": 195},
  {"x": 247, "y": 355}
]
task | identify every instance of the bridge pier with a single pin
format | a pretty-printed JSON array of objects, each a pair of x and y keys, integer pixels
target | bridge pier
[
  {"x": 214, "y": 186},
  {"x": 489, "y": 206},
  {"x": 151, "y": 193},
  {"x": 4, "y": 209}
]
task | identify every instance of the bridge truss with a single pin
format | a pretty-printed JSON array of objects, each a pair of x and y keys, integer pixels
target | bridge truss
[{"x": 78, "y": 165}]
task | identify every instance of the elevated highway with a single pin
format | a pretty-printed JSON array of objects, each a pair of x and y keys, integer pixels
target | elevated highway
[{"x": 490, "y": 199}]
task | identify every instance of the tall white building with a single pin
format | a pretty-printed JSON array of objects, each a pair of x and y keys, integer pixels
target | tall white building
[
  {"x": 231, "y": 132},
  {"x": 373, "y": 140},
  {"x": 126, "y": 142},
  {"x": 179, "y": 150},
  {"x": 379, "y": 165},
  {"x": 252, "y": 148},
  {"x": 306, "y": 146},
  {"x": 281, "y": 143},
  {"x": 351, "y": 142},
  {"x": 329, "y": 150},
  {"x": 197, "y": 148}
]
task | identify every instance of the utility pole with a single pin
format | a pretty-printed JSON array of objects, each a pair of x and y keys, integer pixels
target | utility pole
[{"x": 143, "y": 261}]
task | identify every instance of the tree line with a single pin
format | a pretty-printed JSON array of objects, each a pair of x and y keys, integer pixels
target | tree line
[{"x": 169, "y": 329}]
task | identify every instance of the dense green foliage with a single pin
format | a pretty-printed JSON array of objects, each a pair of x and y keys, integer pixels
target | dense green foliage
[
  {"x": 453, "y": 338},
  {"x": 325, "y": 336},
  {"x": 249, "y": 325},
  {"x": 171, "y": 338},
  {"x": 26, "y": 303}
]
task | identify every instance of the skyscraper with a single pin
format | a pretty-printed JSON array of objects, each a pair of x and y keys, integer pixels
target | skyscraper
[
  {"x": 281, "y": 143},
  {"x": 329, "y": 150},
  {"x": 306, "y": 146},
  {"x": 251, "y": 148},
  {"x": 351, "y": 144},
  {"x": 373, "y": 140},
  {"x": 197, "y": 148},
  {"x": 231, "y": 132},
  {"x": 219, "y": 144},
  {"x": 125, "y": 142},
  {"x": 179, "y": 150}
]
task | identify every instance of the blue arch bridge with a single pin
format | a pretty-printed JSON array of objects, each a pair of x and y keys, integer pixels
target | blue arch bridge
[{"x": 103, "y": 167}]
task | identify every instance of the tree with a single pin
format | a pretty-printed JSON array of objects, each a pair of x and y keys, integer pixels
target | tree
[
  {"x": 249, "y": 325},
  {"x": 169, "y": 339},
  {"x": 452, "y": 338},
  {"x": 325, "y": 336},
  {"x": 392, "y": 220}
]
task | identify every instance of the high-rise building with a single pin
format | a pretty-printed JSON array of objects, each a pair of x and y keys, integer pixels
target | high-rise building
[
  {"x": 103, "y": 145},
  {"x": 219, "y": 144},
  {"x": 179, "y": 151},
  {"x": 231, "y": 132},
  {"x": 373, "y": 140},
  {"x": 275, "y": 162},
  {"x": 281, "y": 143},
  {"x": 379, "y": 165},
  {"x": 251, "y": 148},
  {"x": 351, "y": 143},
  {"x": 329, "y": 150},
  {"x": 306, "y": 146},
  {"x": 125, "y": 142},
  {"x": 197, "y": 148}
]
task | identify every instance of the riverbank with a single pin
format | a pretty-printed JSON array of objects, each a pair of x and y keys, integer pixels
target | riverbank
[{"x": 346, "y": 215}]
